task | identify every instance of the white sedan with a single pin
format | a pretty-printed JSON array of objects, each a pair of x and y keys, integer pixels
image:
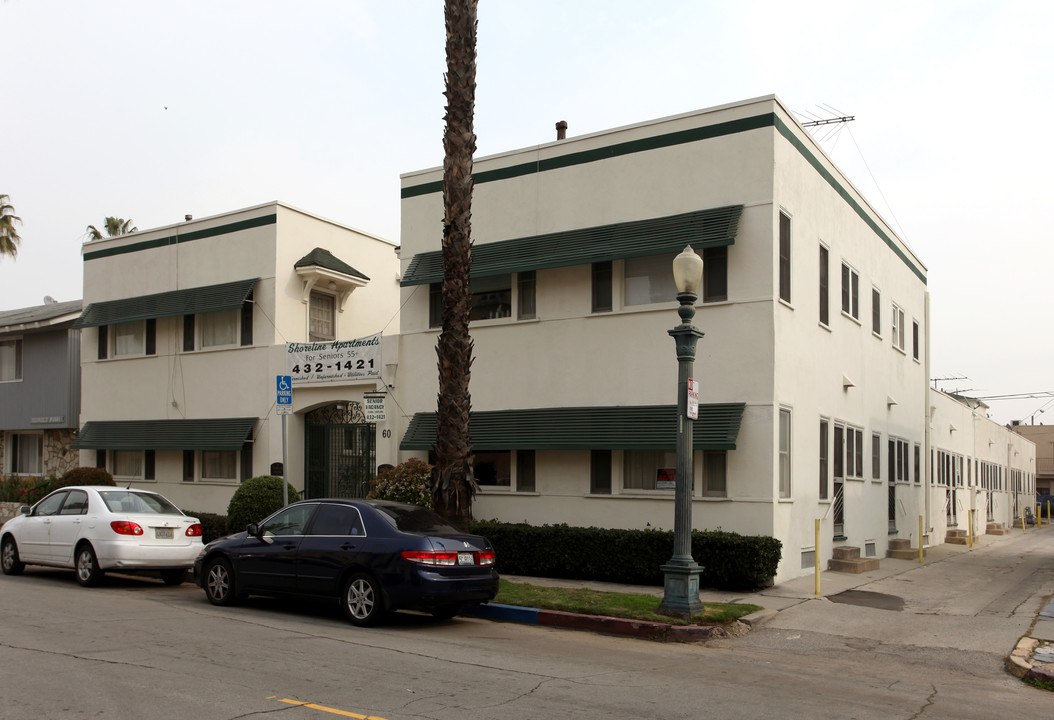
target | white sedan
[{"x": 97, "y": 528}]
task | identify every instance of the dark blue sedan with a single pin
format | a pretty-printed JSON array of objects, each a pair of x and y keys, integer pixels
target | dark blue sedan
[{"x": 374, "y": 556}]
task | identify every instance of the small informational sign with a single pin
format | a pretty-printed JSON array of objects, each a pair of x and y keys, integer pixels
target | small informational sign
[
  {"x": 374, "y": 408},
  {"x": 666, "y": 479},
  {"x": 337, "y": 361},
  {"x": 283, "y": 410},
  {"x": 693, "y": 399},
  {"x": 284, "y": 396}
]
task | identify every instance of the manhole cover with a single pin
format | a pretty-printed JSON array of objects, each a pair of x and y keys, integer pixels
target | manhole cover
[{"x": 863, "y": 598}]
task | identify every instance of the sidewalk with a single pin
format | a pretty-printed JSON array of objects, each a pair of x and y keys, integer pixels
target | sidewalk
[{"x": 1034, "y": 656}]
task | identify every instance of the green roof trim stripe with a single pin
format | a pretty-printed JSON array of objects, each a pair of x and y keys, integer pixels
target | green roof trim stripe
[
  {"x": 645, "y": 427},
  {"x": 183, "y": 237},
  {"x": 212, "y": 434},
  {"x": 211, "y": 298},
  {"x": 320, "y": 257},
  {"x": 701, "y": 228},
  {"x": 732, "y": 127}
]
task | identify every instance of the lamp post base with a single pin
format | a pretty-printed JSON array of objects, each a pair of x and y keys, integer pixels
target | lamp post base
[{"x": 681, "y": 589}]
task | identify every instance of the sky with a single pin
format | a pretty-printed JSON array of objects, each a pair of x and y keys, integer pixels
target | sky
[{"x": 155, "y": 110}]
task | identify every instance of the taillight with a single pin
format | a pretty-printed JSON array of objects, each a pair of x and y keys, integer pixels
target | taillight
[
  {"x": 485, "y": 557},
  {"x": 124, "y": 527},
  {"x": 431, "y": 557},
  {"x": 194, "y": 530}
]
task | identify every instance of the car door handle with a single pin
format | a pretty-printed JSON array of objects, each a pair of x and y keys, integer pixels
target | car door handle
[{"x": 347, "y": 546}]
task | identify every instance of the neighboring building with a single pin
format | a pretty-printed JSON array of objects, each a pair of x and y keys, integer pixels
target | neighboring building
[
  {"x": 1043, "y": 437},
  {"x": 813, "y": 368},
  {"x": 39, "y": 388},
  {"x": 187, "y": 328},
  {"x": 978, "y": 469}
]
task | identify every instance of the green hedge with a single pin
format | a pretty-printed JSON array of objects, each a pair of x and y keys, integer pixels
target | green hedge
[{"x": 729, "y": 561}]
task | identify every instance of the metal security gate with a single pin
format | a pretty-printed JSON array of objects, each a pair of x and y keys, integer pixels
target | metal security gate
[{"x": 340, "y": 452}]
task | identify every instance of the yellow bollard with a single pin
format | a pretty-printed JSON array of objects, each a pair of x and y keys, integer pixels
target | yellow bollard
[
  {"x": 817, "y": 554},
  {"x": 969, "y": 529},
  {"x": 1023, "y": 522},
  {"x": 920, "y": 540}
]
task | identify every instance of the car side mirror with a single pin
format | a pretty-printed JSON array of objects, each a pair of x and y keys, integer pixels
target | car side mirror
[
  {"x": 25, "y": 510},
  {"x": 253, "y": 529}
]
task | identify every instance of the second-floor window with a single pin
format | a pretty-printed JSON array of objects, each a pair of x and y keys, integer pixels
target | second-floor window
[
  {"x": 785, "y": 257},
  {"x": 648, "y": 280},
  {"x": 898, "y": 327},
  {"x": 322, "y": 317},
  {"x": 222, "y": 328},
  {"x": 10, "y": 360},
  {"x": 850, "y": 292}
]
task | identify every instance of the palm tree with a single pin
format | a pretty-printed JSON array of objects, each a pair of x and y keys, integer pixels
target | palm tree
[
  {"x": 9, "y": 237},
  {"x": 453, "y": 482},
  {"x": 114, "y": 226}
]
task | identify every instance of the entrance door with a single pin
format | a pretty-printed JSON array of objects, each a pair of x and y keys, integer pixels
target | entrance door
[{"x": 340, "y": 452}]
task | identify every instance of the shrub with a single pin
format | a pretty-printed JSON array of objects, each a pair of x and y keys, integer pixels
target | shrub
[
  {"x": 408, "y": 482},
  {"x": 84, "y": 476},
  {"x": 24, "y": 490},
  {"x": 729, "y": 561},
  {"x": 255, "y": 499}
]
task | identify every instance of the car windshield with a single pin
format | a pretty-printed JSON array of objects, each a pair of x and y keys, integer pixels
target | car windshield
[
  {"x": 129, "y": 501},
  {"x": 413, "y": 519}
]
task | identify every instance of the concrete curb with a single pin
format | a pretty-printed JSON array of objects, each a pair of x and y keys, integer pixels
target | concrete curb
[{"x": 597, "y": 623}]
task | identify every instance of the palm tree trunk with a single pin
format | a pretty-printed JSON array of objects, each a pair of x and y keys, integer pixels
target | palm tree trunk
[{"x": 453, "y": 484}]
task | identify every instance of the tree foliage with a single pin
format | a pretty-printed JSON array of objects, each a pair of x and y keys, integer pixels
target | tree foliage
[
  {"x": 9, "y": 237},
  {"x": 113, "y": 227}
]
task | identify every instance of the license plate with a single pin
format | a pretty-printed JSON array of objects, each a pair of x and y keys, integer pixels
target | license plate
[
  {"x": 163, "y": 533},
  {"x": 466, "y": 558}
]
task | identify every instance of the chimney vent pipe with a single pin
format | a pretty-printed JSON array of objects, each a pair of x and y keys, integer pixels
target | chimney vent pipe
[{"x": 561, "y": 130}]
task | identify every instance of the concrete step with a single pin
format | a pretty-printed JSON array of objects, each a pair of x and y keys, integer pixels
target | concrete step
[
  {"x": 847, "y": 559},
  {"x": 900, "y": 548}
]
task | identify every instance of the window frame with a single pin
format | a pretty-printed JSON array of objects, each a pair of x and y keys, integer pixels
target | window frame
[
  {"x": 18, "y": 348},
  {"x": 825, "y": 285},
  {"x": 321, "y": 301},
  {"x": 13, "y": 453},
  {"x": 784, "y": 444},
  {"x": 898, "y": 328},
  {"x": 850, "y": 291},
  {"x": 193, "y": 328},
  {"x": 876, "y": 311},
  {"x": 602, "y": 287},
  {"x": 784, "y": 251}
]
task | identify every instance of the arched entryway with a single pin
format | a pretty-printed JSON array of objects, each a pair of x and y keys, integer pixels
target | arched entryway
[{"x": 340, "y": 451}]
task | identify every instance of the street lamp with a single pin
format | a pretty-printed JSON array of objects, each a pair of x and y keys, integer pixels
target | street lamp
[{"x": 681, "y": 574}]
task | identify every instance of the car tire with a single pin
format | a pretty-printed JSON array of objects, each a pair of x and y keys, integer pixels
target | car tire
[
  {"x": 363, "y": 600},
  {"x": 173, "y": 577},
  {"x": 445, "y": 612},
  {"x": 86, "y": 567},
  {"x": 219, "y": 583},
  {"x": 9, "y": 561}
]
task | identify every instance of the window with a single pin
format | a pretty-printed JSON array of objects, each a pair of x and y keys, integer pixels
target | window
[
  {"x": 824, "y": 459},
  {"x": 876, "y": 456},
  {"x": 76, "y": 503},
  {"x": 219, "y": 465},
  {"x": 602, "y": 287},
  {"x": 915, "y": 339},
  {"x": 785, "y": 257},
  {"x": 127, "y": 463},
  {"x": 11, "y": 360},
  {"x": 525, "y": 471},
  {"x": 648, "y": 469},
  {"x": 26, "y": 454},
  {"x": 825, "y": 299},
  {"x": 493, "y": 468},
  {"x": 600, "y": 472},
  {"x": 785, "y": 454},
  {"x": 715, "y": 473},
  {"x": 715, "y": 274},
  {"x": 219, "y": 328},
  {"x": 848, "y": 452},
  {"x": 491, "y": 297},
  {"x": 898, "y": 327},
  {"x": 918, "y": 464},
  {"x": 322, "y": 326},
  {"x": 876, "y": 312},
  {"x": 290, "y": 521},
  {"x": 526, "y": 282},
  {"x": 435, "y": 305},
  {"x": 129, "y": 338},
  {"x": 337, "y": 520},
  {"x": 899, "y": 462},
  {"x": 850, "y": 292},
  {"x": 648, "y": 279}
]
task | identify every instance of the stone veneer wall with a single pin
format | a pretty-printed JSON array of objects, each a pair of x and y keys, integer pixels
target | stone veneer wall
[
  {"x": 58, "y": 456},
  {"x": 7, "y": 511}
]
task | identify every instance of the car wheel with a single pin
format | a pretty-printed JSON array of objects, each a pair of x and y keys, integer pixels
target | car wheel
[
  {"x": 219, "y": 583},
  {"x": 87, "y": 569},
  {"x": 173, "y": 577},
  {"x": 362, "y": 600},
  {"x": 445, "y": 612},
  {"x": 9, "y": 561}
]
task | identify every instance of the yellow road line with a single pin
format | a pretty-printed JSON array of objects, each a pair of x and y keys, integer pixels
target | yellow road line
[{"x": 323, "y": 708}]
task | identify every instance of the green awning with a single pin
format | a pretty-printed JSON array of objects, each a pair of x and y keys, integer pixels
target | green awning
[
  {"x": 211, "y": 434},
  {"x": 210, "y": 298},
  {"x": 649, "y": 427},
  {"x": 701, "y": 229},
  {"x": 320, "y": 257}
]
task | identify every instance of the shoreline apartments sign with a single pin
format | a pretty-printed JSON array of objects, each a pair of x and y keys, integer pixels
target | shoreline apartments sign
[{"x": 340, "y": 360}]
